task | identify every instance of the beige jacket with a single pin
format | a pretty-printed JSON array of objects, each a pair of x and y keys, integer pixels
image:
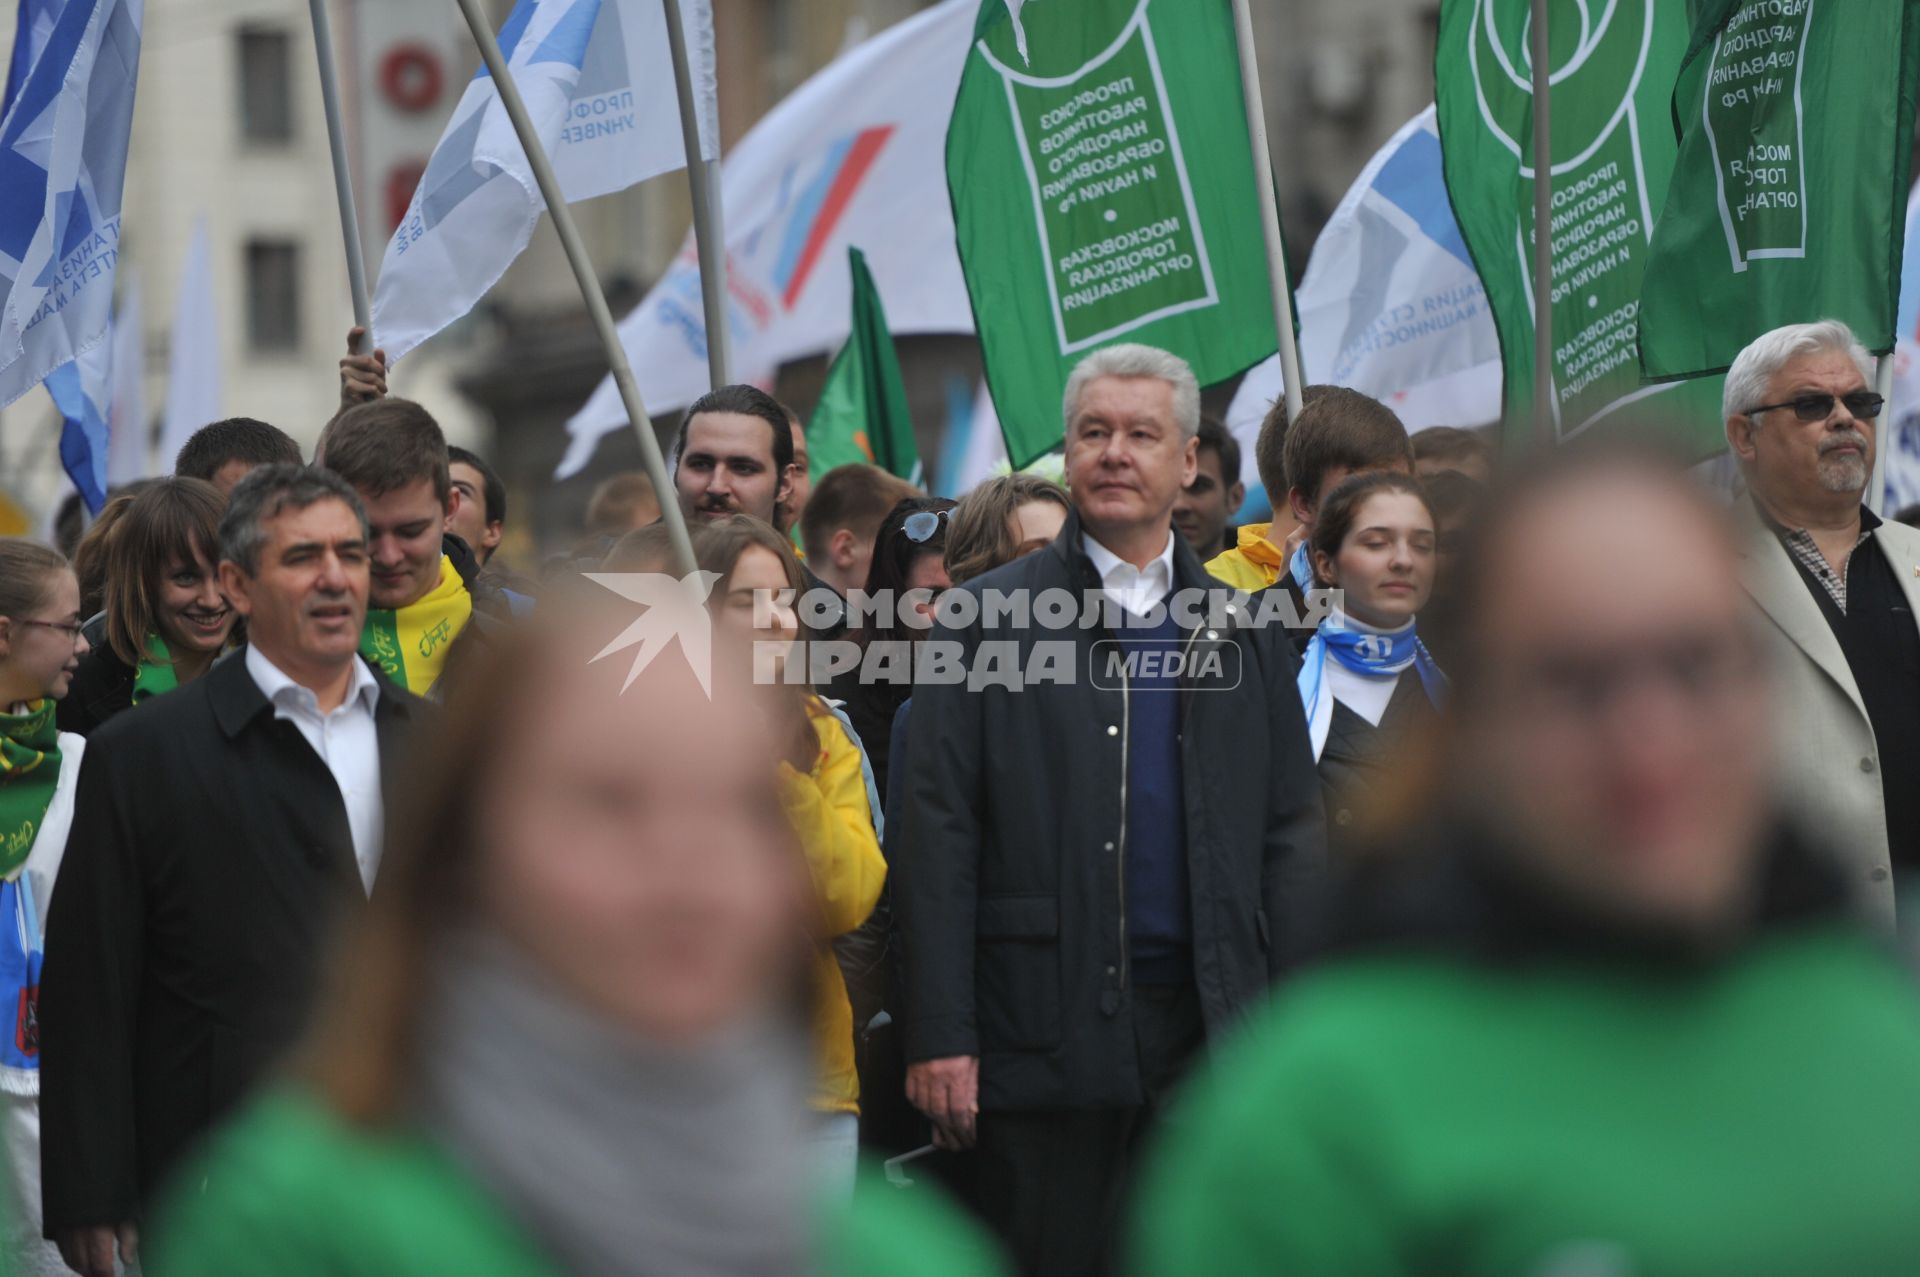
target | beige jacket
[{"x": 1829, "y": 763}]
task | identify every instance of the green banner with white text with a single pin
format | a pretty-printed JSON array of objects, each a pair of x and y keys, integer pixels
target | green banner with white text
[
  {"x": 1789, "y": 196},
  {"x": 1103, "y": 192},
  {"x": 1611, "y": 76}
]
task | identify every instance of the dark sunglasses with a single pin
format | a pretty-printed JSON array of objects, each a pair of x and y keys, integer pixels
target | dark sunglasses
[
  {"x": 923, "y": 526},
  {"x": 1863, "y": 404}
]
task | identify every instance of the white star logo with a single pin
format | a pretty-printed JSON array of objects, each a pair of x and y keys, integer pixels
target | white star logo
[{"x": 675, "y": 611}]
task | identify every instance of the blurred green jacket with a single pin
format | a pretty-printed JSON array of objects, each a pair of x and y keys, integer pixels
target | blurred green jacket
[{"x": 292, "y": 1190}]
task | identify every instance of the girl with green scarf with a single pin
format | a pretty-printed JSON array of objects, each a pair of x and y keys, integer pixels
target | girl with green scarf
[
  {"x": 166, "y": 621},
  {"x": 40, "y": 647}
]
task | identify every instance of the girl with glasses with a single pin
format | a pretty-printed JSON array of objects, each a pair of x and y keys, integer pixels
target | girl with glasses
[{"x": 40, "y": 647}]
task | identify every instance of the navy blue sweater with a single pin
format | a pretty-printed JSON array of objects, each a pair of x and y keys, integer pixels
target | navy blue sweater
[{"x": 1159, "y": 911}]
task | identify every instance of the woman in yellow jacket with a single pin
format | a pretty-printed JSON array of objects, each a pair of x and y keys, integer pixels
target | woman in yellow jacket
[{"x": 824, "y": 783}]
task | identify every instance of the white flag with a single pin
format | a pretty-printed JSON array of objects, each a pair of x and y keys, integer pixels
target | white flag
[
  {"x": 195, "y": 393},
  {"x": 597, "y": 79},
  {"x": 855, "y": 156},
  {"x": 1391, "y": 304},
  {"x": 129, "y": 437}
]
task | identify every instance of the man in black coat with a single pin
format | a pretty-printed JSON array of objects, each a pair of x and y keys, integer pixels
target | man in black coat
[
  {"x": 1102, "y": 862},
  {"x": 220, "y": 833}
]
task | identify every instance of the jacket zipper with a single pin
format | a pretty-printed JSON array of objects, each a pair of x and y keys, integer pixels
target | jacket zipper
[{"x": 1120, "y": 858}]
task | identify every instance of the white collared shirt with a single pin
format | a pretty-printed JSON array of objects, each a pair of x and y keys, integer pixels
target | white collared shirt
[
  {"x": 1134, "y": 589},
  {"x": 346, "y": 742}
]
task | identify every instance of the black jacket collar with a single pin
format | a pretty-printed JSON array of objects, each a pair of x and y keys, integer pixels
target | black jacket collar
[{"x": 237, "y": 700}]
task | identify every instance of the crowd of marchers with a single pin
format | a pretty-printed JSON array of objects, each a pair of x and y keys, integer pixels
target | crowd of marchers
[{"x": 1530, "y": 906}]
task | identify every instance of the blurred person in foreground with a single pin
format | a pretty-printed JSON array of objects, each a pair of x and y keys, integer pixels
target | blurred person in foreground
[
  {"x": 1603, "y": 1010},
  {"x": 1100, "y": 872},
  {"x": 1367, "y": 682},
  {"x": 226, "y": 452},
  {"x": 219, "y": 834},
  {"x": 166, "y": 619},
  {"x": 1840, "y": 591},
  {"x": 825, "y": 784},
  {"x": 842, "y": 518},
  {"x": 1207, "y": 504},
  {"x": 40, "y": 649},
  {"x": 592, "y": 1063}
]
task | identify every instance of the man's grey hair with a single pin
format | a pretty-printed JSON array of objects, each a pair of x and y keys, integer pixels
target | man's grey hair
[
  {"x": 1130, "y": 359},
  {"x": 267, "y": 491},
  {"x": 1747, "y": 380}
]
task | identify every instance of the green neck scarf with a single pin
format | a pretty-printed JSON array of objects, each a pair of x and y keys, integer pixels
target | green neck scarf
[
  {"x": 29, "y": 772},
  {"x": 156, "y": 675}
]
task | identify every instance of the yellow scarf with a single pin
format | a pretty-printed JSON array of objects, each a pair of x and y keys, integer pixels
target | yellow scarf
[{"x": 411, "y": 644}]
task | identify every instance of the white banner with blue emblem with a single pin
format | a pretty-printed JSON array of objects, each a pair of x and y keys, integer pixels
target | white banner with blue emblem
[{"x": 598, "y": 83}]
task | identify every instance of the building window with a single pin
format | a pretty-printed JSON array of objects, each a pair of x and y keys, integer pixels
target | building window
[
  {"x": 266, "y": 91},
  {"x": 273, "y": 295}
]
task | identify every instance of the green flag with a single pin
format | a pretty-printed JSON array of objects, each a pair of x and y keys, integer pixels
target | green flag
[
  {"x": 1789, "y": 197},
  {"x": 862, "y": 415},
  {"x": 1103, "y": 192},
  {"x": 1613, "y": 150}
]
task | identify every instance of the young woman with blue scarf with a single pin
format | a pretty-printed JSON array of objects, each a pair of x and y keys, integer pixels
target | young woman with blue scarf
[
  {"x": 1366, "y": 679},
  {"x": 40, "y": 647}
]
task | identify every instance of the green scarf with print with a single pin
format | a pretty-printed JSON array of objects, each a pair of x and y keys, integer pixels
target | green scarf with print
[
  {"x": 156, "y": 675},
  {"x": 29, "y": 772}
]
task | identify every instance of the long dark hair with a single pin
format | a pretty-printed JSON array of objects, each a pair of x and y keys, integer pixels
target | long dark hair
[
  {"x": 1338, "y": 513},
  {"x": 175, "y": 520},
  {"x": 894, "y": 556}
]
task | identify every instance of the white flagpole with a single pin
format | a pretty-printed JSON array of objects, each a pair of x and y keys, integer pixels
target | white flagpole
[
  {"x": 342, "y": 174},
  {"x": 1543, "y": 423},
  {"x": 1883, "y": 432},
  {"x": 584, "y": 275},
  {"x": 703, "y": 183},
  {"x": 1269, "y": 210}
]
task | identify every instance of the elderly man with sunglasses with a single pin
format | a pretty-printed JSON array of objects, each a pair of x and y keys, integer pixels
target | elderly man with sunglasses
[{"x": 1840, "y": 591}]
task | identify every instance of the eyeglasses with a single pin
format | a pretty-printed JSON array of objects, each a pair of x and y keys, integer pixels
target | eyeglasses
[
  {"x": 71, "y": 629},
  {"x": 923, "y": 526},
  {"x": 1863, "y": 404}
]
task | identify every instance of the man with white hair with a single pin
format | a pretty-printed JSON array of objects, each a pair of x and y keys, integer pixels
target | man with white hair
[
  {"x": 1841, "y": 590},
  {"x": 1104, "y": 868}
]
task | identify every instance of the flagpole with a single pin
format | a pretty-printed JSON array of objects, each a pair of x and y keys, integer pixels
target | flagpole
[
  {"x": 704, "y": 185},
  {"x": 1269, "y": 207},
  {"x": 1543, "y": 423},
  {"x": 342, "y": 174},
  {"x": 584, "y": 275},
  {"x": 1883, "y": 433}
]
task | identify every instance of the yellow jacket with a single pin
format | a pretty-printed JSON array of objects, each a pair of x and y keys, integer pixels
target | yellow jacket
[
  {"x": 1253, "y": 564},
  {"x": 829, "y": 809}
]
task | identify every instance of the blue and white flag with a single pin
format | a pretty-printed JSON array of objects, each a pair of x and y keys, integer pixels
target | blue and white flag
[
  {"x": 597, "y": 79},
  {"x": 1900, "y": 426},
  {"x": 1391, "y": 305},
  {"x": 63, "y": 157}
]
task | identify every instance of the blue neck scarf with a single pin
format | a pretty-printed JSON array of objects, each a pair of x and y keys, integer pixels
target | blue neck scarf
[
  {"x": 1301, "y": 568},
  {"x": 1364, "y": 650}
]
